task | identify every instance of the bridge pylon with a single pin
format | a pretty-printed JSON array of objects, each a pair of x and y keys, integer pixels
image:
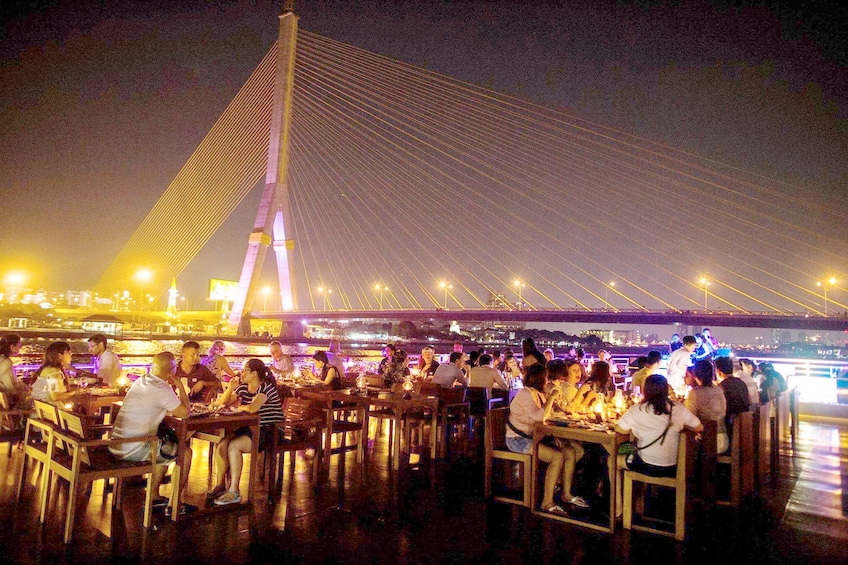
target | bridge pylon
[{"x": 273, "y": 226}]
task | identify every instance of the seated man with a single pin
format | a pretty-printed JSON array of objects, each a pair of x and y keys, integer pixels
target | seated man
[
  {"x": 107, "y": 365},
  {"x": 651, "y": 367},
  {"x": 202, "y": 382},
  {"x": 486, "y": 376},
  {"x": 449, "y": 373},
  {"x": 148, "y": 400}
]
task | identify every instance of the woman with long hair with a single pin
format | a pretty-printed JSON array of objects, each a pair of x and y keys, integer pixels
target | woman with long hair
[
  {"x": 707, "y": 402},
  {"x": 255, "y": 391},
  {"x": 599, "y": 382},
  {"x": 529, "y": 408},
  {"x": 51, "y": 380},
  {"x": 12, "y": 386},
  {"x": 329, "y": 374}
]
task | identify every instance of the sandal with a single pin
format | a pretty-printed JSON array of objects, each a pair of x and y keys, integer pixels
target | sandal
[
  {"x": 555, "y": 509},
  {"x": 216, "y": 492},
  {"x": 227, "y": 498},
  {"x": 579, "y": 502}
]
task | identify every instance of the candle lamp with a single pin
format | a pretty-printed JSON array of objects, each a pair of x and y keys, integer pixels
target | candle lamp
[
  {"x": 598, "y": 408},
  {"x": 362, "y": 383},
  {"x": 123, "y": 383},
  {"x": 407, "y": 388}
]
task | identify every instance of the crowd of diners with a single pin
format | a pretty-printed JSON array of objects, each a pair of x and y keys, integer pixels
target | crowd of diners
[{"x": 546, "y": 385}]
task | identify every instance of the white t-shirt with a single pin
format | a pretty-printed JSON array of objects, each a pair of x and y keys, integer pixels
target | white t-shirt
[
  {"x": 108, "y": 368},
  {"x": 144, "y": 408},
  {"x": 647, "y": 426},
  {"x": 678, "y": 362},
  {"x": 49, "y": 381}
]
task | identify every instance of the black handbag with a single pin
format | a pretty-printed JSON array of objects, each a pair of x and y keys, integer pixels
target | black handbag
[{"x": 168, "y": 442}]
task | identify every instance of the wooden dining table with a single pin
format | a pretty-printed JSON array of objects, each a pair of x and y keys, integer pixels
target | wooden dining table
[
  {"x": 211, "y": 422},
  {"x": 89, "y": 402},
  {"x": 606, "y": 438},
  {"x": 396, "y": 403}
]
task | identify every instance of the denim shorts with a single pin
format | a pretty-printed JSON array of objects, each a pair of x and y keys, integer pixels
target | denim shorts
[{"x": 518, "y": 444}]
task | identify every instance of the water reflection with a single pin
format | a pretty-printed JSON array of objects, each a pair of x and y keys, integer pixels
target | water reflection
[{"x": 142, "y": 350}]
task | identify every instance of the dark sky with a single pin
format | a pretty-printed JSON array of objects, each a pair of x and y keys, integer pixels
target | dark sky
[{"x": 101, "y": 103}]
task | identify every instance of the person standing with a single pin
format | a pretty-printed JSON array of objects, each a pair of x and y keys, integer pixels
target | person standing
[
  {"x": 675, "y": 343},
  {"x": 679, "y": 361},
  {"x": 202, "y": 383},
  {"x": 107, "y": 365}
]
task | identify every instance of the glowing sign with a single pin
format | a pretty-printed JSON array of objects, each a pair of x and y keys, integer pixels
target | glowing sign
[{"x": 220, "y": 290}]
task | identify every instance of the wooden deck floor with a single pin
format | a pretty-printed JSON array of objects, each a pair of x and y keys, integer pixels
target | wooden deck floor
[{"x": 432, "y": 515}]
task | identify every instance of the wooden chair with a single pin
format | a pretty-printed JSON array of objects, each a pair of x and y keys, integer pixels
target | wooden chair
[
  {"x": 38, "y": 434},
  {"x": 454, "y": 413},
  {"x": 341, "y": 421},
  {"x": 495, "y": 449},
  {"x": 301, "y": 431},
  {"x": 740, "y": 459},
  {"x": 85, "y": 460},
  {"x": 11, "y": 422},
  {"x": 762, "y": 444},
  {"x": 680, "y": 483}
]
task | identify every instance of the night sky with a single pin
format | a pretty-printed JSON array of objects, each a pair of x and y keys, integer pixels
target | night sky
[{"x": 101, "y": 103}]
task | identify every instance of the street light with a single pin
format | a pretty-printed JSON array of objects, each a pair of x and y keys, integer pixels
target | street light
[
  {"x": 326, "y": 292},
  {"x": 381, "y": 288},
  {"x": 444, "y": 285},
  {"x": 519, "y": 285},
  {"x": 265, "y": 291},
  {"x": 143, "y": 276},
  {"x": 606, "y": 294},
  {"x": 823, "y": 285},
  {"x": 705, "y": 283}
]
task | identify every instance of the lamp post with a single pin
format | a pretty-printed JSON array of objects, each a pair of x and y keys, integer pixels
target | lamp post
[
  {"x": 326, "y": 293},
  {"x": 519, "y": 285},
  {"x": 705, "y": 283},
  {"x": 823, "y": 285},
  {"x": 606, "y": 294},
  {"x": 381, "y": 288},
  {"x": 445, "y": 286}
]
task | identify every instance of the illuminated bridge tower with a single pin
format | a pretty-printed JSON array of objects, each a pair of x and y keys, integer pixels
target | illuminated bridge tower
[{"x": 273, "y": 225}]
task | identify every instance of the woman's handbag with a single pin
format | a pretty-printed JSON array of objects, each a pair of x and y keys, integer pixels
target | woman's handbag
[
  {"x": 168, "y": 442},
  {"x": 631, "y": 451}
]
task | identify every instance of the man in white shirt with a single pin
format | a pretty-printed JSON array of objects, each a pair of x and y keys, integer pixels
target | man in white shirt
[
  {"x": 449, "y": 373},
  {"x": 679, "y": 361},
  {"x": 486, "y": 376},
  {"x": 107, "y": 366},
  {"x": 149, "y": 398}
]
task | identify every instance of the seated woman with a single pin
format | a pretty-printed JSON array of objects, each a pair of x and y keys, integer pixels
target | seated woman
[
  {"x": 255, "y": 392},
  {"x": 327, "y": 373},
  {"x": 51, "y": 382},
  {"x": 656, "y": 424},
  {"x": 599, "y": 382},
  {"x": 217, "y": 363},
  {"x": 528, "y": 409},
  {"x": 15, "y": 389},
  {"x": 707, "y": 402}
]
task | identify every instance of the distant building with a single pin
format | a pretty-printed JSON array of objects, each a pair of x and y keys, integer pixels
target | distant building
[{"x": 103, "y": 323}]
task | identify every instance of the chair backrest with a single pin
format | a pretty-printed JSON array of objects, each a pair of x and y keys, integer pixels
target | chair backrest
[
  {"x": 298, "y": 408},
  {"x": 742, "y": 447},
  {"x": 74, "y": 423},
  {"x": 762, "y": 429},
  {"x": 427, "y": 388},
  {"x": 4, "y": 402},
  {"x": 349, "y": 379},
  {"x": 495, "y": 437},
  {"x": 47, "y": 412},
  {"x": 478, "y": 399},
  {"x": 451, "y": 395},
  {"x": 375, "y": 381},
  {"x": 686, "y": 454}
]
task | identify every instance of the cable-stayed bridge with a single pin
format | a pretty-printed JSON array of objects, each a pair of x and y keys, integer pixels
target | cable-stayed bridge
[{"x": 389, "y": 187}]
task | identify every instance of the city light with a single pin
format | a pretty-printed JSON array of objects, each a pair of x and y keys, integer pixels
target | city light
[
  {"x": 381, "y": 289},
  {"x": 705, "y": 283},
  {"x": 823, "y": 285}
]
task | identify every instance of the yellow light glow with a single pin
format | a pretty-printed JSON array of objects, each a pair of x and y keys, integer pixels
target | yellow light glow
[{"x": 144, "y": 275}]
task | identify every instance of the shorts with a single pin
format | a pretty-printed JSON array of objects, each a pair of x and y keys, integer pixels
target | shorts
[
  {"x": 651, "y": 470},
  {"x": 143, "y": 454},
  {"x": 265, "y": 436},
  {"x": 518, "y": 444}
]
